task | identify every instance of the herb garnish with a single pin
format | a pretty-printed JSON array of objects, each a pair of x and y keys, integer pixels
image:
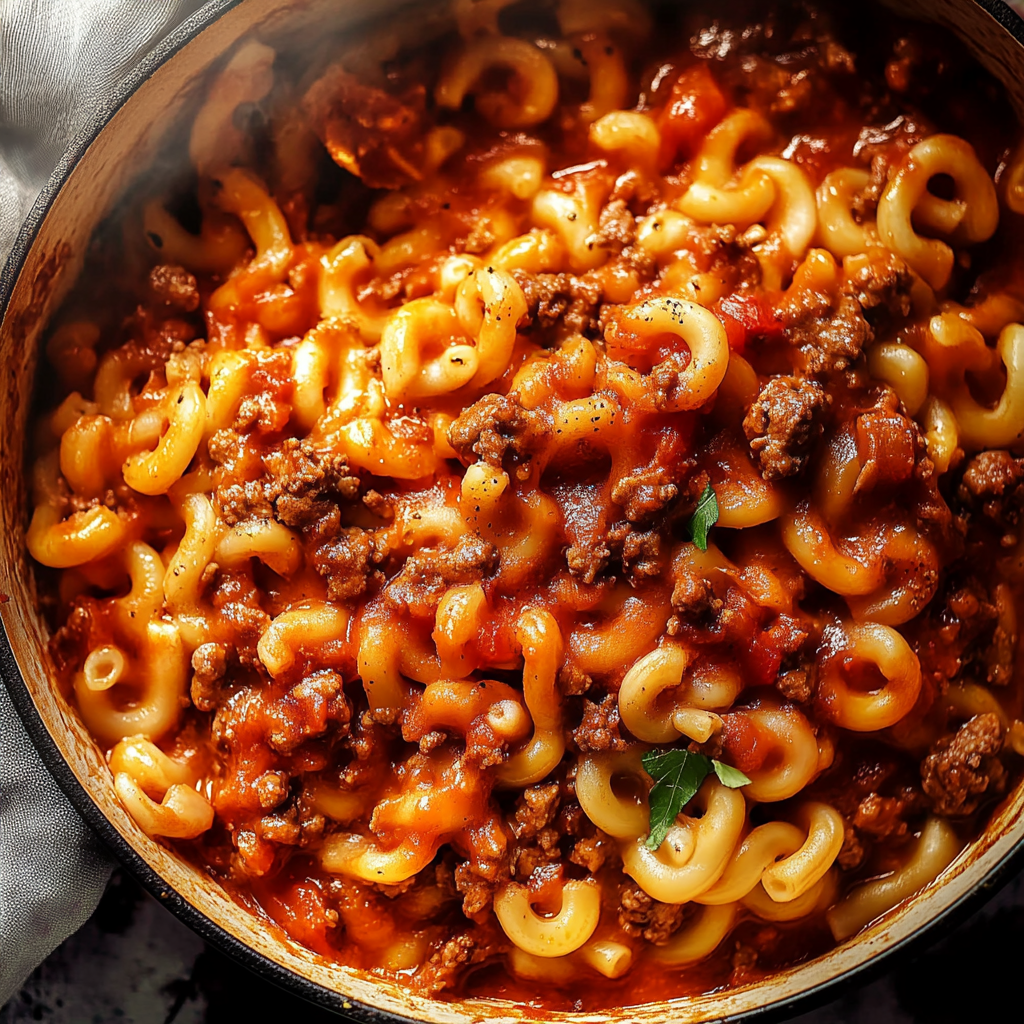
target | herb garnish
[
  {"x": 705, "y": 515},
  {"x": 678, "y": 775}
]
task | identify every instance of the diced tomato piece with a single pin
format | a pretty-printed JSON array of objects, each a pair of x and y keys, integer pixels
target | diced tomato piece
[
  {"x": 496, "y": 642},
  {"x": 745, "y": 317},
  {"x": 745, "y": 745},
  {"x": 762, "y": 661},
  {"x": 301, "y": 911},
  {"x": 885, "y": 446},
  {"x": 695, "y": 106},
  {"x": 735, "y": 332}
]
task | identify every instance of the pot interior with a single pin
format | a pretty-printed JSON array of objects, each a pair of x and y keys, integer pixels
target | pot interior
[{"x": 134, "y": 138}]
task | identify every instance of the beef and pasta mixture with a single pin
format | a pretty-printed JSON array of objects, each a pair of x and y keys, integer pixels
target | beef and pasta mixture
[{"x": 538, "y": 503}]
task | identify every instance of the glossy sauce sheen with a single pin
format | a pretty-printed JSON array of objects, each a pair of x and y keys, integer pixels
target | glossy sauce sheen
[{"x": 591, "y": 534}]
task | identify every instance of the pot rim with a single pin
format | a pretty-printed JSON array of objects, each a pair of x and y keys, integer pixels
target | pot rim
[{"x": 296, "y": 984}]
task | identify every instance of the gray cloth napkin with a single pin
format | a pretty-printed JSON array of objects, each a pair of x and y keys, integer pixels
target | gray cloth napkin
[{"x": 60, "y": 60}]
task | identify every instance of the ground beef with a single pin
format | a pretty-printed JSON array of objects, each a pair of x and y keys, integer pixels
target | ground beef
[
  {"x": 167, "y": 335},
  {"x": 875, "y": 806},
  {"x": 366, "y": 738},
  {"x": 253, "y": 725},
  {"x": 484, "y": 746},
  {"x": 830, "y": 336},
  {"x": 783, "y": 424},
  {"x": 851, "y": 853},
  {"x": 879, "y": 279},
  {"x": 865, "y": 202},
  {"x": 392, "y": 890},
  {"x": 174, "y": 288},
  {"x": 444, "y": 967},
  {"x": 541, "y": 853},
  {"x": 587, "y": 560},
  {"x": 960, "y": 768},
  {"x": 236, "y": 599},
  {"x": 639, "y": 551},
  {"x": 440, "y": 971},
  {"x": 572, "y": 821},
  {"x": 498, "y": 426},
  {"x": 992, "y": 485},
  {"x": 536, "y": 808},
  {"x": 616, "y": 227},
  {"x": 881, "y": 816},
  {"x": 997, "y": 659},
  {"x": 247, "y": 499},
  {"x": 654, "y": 486},
  {"x": 968, "y": 608},
  {"x": 884, "y": 146},
  {"x": 562, "y": 298},
  {"x": 348, "y": 558},
  {"x": 573, "y": 681},
  {"x": 267, "y": 407},
  {"x": 693, "y": 600},
  {"x": 599, "y": 729},
  {"x": 477, "y": 892},
  {"x": 668, "y": 382},
  {"x": 964, "y": 635},
  {"x": 209, "y": 665},
  {"x": 593, "y": 852},
  {"x": 236, "y": 498},
  {"x": 427, "y": 574},
  {"x": 370, "y": 133},
  {"x": 265, "y": 412},
  {"x": 272, "y": 789},
  {"x": 797, "y": 685},
  {"x": 432, "y": 740},
  {"x": 69, "y": 644},
  {"x": 645, "y": 492},
  {"x": 305, "y": 482},
  {"x": 639, "y": 915},
  {"x": 380, "y": 505},
  {"x": 637, "y": 259},
  {"x": 657, "y": 492},
  {"x": 300, "y": 484},
  {"x": 308, "y": 709},
  {"x": 538, "y": 839},
  {"x": 279, "y": 828}
]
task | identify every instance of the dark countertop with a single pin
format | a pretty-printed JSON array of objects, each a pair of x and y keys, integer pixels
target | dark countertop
[{"x": 134, "y": 963}]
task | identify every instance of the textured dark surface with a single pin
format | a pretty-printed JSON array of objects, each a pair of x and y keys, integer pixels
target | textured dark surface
[{"x": 134, "y": 963}]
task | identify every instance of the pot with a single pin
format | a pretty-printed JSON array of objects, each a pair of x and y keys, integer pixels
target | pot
[{"x": 123, "y": 140}]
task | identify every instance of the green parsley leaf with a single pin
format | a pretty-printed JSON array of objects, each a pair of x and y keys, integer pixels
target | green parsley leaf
[
  {"x": 705, "y": 515},
  {"x": 677, "y": 776},
  {"x": 729, "y": 776}
]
